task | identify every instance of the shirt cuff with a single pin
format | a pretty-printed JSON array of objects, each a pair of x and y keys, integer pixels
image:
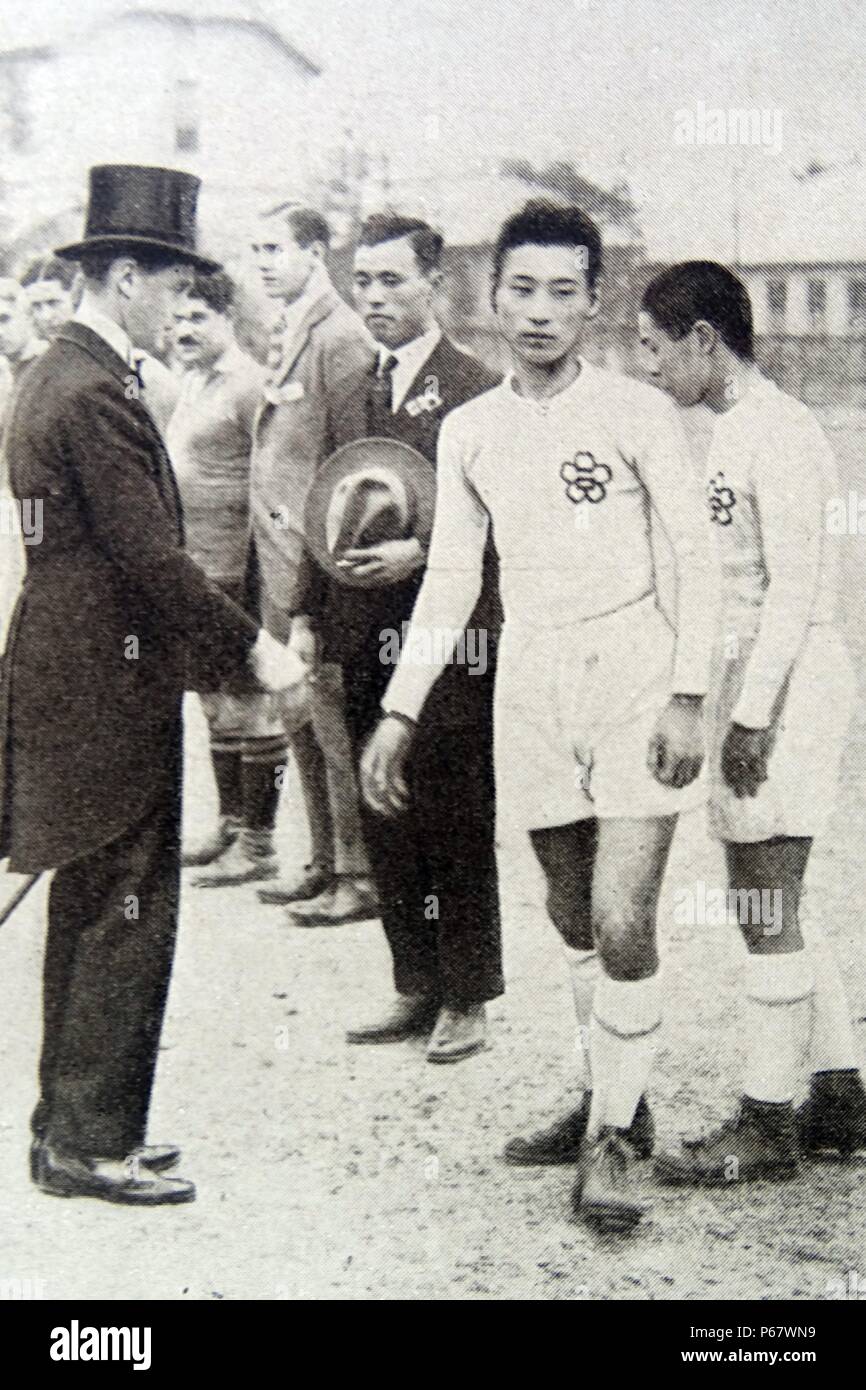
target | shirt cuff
[
  {"x": 406, "y": 693},
  {"x": 690, "y": 678},
  {"x": 754, "y": 710}
]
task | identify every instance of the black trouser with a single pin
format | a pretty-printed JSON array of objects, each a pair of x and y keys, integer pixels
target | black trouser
[
  {"x": 112, "y": 921},
  {"x": 435, "y": 865}
]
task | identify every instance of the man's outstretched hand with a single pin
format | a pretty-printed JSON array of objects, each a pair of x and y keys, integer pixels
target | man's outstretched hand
[
  {"x": 676, "y": 751},
  {"x": 276, "y": 666},
  {"x": 383, "y": 767},
  {"x": 745, "y": 754}
]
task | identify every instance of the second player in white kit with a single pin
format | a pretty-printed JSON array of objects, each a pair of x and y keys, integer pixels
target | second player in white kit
[{"x": 782, "y": 695}]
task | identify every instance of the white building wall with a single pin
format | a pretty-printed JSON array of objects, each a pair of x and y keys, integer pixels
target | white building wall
[{"x": 110, "y": 96}]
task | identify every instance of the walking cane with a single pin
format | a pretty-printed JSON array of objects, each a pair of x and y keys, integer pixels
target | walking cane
[{"x": 18, "y": 897}]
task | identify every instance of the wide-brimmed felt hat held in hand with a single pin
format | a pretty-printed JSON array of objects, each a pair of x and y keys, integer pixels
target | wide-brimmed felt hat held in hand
[{"x": 367, "y": 492}]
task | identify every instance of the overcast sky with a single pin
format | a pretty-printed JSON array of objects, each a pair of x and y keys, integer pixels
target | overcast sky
[{"x": 446, "y": 84}]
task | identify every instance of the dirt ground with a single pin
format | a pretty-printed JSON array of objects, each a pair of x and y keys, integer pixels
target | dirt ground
[{"x": 326, "y": 1171}]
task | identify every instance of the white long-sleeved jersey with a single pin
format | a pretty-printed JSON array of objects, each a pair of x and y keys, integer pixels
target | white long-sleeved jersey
[
  {"x": 771, "y": 474},
  {"x": 573, "y": 487}
]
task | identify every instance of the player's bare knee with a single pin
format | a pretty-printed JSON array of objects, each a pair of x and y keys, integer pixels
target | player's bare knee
[
  {"x": 626, "y": 944},
  {"x": 572, "y": 920}
]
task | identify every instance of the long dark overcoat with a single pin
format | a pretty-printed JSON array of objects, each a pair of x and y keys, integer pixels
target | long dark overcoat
[{"x": 114, "y": 620}]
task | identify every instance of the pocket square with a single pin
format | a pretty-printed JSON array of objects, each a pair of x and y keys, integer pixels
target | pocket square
[{"x": 285, "y": 394}]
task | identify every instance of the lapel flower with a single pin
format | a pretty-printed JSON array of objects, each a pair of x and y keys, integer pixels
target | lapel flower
[{"x": 428, "y": 400}]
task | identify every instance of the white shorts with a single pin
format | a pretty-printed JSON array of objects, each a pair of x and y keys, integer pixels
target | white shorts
[
  {"x": 576, "y": 708},
  {"x": 810, "y": 728}
]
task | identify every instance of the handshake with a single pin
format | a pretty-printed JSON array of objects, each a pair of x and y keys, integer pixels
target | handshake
[{"x": 275, "y": 666}]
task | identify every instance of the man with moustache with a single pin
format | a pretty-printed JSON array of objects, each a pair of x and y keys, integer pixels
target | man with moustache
[
  {"x": 209, "y": 439},
  {"x": 434, "y": 866},
  {"x": 114, "y": 623},
  {"x": 318, "y": 343}
]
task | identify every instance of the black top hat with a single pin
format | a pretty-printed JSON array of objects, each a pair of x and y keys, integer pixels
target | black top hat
[{"x": 133, "y": 205}]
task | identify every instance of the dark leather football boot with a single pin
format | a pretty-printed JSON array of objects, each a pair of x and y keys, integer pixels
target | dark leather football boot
[
  {"x": 759, "y": 1142},
  {"x": 561, "y": 1142}
]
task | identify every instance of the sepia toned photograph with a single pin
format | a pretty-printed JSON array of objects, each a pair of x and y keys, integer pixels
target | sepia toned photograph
[{"x": 432, "y": 734}]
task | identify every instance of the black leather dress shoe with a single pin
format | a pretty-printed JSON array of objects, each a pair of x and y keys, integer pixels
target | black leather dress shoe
[
  {"x": 212, "y": 846},
  {"x": 410, "y": 1015},
  {"x": 126, "y": 1181},
  {"x": 312, "y": 881},
  {"x": 157, "y": 1157}
]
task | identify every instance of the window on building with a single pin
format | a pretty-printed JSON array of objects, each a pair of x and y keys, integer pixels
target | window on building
[
  {"x": 186, "y": 123},
  {"x": 816, "y": 304},
  {"x": 857, "y": 306},
  {"x": 777, "y": 302}
]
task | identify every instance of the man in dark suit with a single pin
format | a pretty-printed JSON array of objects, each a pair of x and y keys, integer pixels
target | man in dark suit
[
  {"x": 114, "y": 622},
  {"x": 435, "y": 866}
]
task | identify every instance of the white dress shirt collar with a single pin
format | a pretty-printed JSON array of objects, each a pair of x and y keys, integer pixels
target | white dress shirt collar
[
  {"x": 410, "y": 359},
  {"x": 292, "y": 314},
  {"x": 89, "y": 314}
]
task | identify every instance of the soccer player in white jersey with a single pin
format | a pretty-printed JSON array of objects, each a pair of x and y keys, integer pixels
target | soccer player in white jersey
[
  {"x": 598, "y": 720},
  {"x": 781, "y": 699}
]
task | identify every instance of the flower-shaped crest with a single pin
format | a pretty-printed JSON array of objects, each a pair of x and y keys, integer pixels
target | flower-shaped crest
[
  {"x": 722, "y": 500},
  {"x": 585, "y": 479}
]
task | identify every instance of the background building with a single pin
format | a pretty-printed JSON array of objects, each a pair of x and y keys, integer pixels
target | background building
[
  {"x": 197, "y": 85},
  {"x": 803, "y": 259}
]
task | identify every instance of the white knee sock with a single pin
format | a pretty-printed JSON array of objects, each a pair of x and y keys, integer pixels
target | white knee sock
[
  {"x": 623, "y": 1039},
  {"x": 584, "y": 968},
  {"x": 833, "y": 1046},
  {"x": 778, "y": 1012}
]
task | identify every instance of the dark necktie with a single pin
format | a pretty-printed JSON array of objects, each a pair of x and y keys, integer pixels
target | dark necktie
[
  {"x": 381, "y": 395},
  {"x": 136, "y": 361}
]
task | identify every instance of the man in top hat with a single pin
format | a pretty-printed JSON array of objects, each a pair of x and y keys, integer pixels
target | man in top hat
[
  {"x": 434, "y": 866},
  {"x": 318, "y": 343},
  {"x": 114, "y": 623}
]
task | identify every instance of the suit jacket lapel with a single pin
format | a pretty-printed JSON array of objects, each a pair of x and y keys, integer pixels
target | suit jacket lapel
[
  {"x": 437, "y": 365},
  {"x": 423, "y": 421},
  {"x": 96, "y": 347},
  {"x": 295, "y": 344}
]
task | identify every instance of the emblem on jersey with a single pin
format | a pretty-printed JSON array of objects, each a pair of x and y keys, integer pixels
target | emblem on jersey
[
  {"x": 585, "y": 479},
  {"x": 722, "y": 500}
]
